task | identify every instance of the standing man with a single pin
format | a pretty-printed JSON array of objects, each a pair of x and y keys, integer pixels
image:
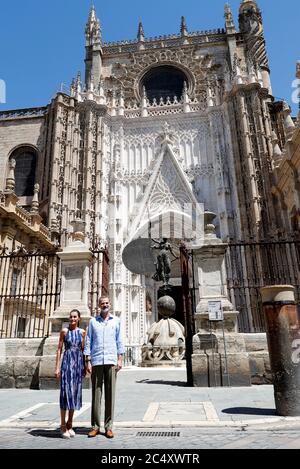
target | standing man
[{"x": 103, "y": 351}]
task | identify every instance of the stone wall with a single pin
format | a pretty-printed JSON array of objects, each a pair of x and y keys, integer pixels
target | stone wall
[
  {"x": 30, "y": 363},
  {"x": 259, "y": 361},
  {"x": 20, "y": 362}
]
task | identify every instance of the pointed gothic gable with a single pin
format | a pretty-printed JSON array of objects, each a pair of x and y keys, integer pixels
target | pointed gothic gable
[{"x": 168, "y": 191}]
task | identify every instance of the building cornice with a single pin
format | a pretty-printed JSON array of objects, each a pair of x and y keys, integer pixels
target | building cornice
[{"x": 29, "y": 113}]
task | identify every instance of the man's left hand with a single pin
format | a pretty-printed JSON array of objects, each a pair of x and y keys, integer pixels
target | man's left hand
[{"x": 119, "y": 365}]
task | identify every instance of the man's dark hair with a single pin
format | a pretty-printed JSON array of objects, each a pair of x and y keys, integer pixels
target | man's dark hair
[{"x": 103, "y": 297}]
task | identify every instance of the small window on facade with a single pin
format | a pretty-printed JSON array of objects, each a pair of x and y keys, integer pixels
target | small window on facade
[{"x": 26, "y": 160}]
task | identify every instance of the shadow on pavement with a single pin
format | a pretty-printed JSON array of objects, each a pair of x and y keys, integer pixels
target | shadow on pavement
[
  {"x": 56, "y": 433},
  {"x": 249, "y": 411},
  {"x": 168, "y": 383}
]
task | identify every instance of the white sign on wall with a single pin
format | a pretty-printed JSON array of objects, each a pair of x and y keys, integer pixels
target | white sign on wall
[{"x": 215, "y": 311}]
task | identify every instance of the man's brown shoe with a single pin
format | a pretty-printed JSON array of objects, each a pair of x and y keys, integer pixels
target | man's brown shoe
[
  {"x": 109, "y": 434},
  {"x": 94, "y": 432}
]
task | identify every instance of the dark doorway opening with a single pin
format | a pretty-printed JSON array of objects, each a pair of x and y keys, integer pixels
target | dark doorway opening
[{"x": 176, "y": 294}]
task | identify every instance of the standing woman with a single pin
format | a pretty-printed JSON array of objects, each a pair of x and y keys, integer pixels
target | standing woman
[{"x": 71, "y": 372}]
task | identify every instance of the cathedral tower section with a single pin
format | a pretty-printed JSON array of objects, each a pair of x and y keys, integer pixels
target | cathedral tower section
[
  {"x": 251, "y": 27},
  {"x": 250, "y": 107},
  {"x": 77, "y": 165}
]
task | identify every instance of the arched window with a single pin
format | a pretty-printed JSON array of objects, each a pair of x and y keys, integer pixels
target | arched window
[
  {"x": 163, "y": 82},
  {"x": 26, "y": 159}
]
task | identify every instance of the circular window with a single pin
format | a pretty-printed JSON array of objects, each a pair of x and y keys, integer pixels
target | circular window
[{"x": 163, "y": 82}]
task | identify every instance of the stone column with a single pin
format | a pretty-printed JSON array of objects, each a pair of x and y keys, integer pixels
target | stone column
[
  {"x": 10, "y": 180},
  {"x": 76, "y": 259},
  {"x": 216, "y": 361},
  {"x": 283, "y": 333}
]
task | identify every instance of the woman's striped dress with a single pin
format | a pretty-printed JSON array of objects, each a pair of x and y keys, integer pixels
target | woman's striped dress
[{"x": 72, "y": 372}]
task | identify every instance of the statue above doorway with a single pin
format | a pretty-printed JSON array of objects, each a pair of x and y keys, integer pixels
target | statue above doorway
[{"x": 163, "y": 263}]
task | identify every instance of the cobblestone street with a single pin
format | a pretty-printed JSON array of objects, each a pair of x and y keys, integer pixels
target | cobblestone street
[{"x": 192, "y": 439}]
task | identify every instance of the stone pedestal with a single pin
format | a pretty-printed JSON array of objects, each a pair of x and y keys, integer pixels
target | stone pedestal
[
  {"x": 219, "y": 351},
  {"x": 76, "y": 260},
  {"x": 166, "y": 341},
  {"x": 214, "y": 365}
]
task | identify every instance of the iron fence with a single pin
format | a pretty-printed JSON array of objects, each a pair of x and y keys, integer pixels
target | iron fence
[
  {"x": 30, "y": 285},
  {"x": 29, "y": 292},
  {"x": 132, "y": 355},
  {"x": 253, "y": 265}
]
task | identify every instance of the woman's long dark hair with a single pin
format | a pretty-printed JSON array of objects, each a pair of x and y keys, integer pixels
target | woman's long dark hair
[{"x": 78, "y": 313}]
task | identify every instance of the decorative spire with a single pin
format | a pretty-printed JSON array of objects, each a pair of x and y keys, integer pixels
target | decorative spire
[
  {"x": 288, "y": 121},
  {"x": 10, "y": 180},
  {"x": 237, "y": 70},
  {"x": 78, "y": 87},
  {"x": 93, "y": 29},
  {"x": 247, "y": 5},
  {"x": 35, "y": 200},
  {"x": 210, "y": 99},
  {"x": 252, "y": 71},
  {"x": 72, "y": 88},
  {"x": 167, "y": 134},
  {"x": 121, "y": 103},
  {"x": 144, "y": 102},
  {"x": 93, "y": 14},
  {"x": 185, "y": 98},
  {"x": 183, "y": 27},
  {"x": 229, "y": 21},
  {"x": 141, "y": 34},
  {"x": 102, "y": 97}
]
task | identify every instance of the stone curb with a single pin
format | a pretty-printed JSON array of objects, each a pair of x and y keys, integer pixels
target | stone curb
[{"x": 274, "y": 423}]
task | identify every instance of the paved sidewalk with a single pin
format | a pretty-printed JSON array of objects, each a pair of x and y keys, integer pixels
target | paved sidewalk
[{"x": 153, "y": 406}]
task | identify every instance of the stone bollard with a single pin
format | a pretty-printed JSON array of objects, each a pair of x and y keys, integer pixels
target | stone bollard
[{"x": 283, "y": 335}]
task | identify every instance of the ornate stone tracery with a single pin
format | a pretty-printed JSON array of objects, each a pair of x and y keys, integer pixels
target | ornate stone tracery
[{"x": 195, "y": 67}]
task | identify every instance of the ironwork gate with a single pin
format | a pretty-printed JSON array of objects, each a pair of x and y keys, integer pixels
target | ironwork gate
[
  {"x": 29, "y": 292},
  {"x": 30, "y": 285},
  {"x": 253, "y": 265}
]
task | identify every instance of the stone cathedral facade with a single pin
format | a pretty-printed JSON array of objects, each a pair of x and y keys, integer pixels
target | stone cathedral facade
[{"x": 155, "y": 123}]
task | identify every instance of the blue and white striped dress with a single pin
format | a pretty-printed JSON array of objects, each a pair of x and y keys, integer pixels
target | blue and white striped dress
[{"x": 72, "y": 371}]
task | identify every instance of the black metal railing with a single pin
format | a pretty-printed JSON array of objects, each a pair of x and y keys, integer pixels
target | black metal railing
[
  {"x": 253, "y": 265},
  {"x": 29, "y": 293},
  {"x": 30, "y": 285},
  {"x": 131, "y": 356}
]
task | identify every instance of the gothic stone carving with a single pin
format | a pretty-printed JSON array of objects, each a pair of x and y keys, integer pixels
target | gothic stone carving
[{"x": 196, "y": 67}]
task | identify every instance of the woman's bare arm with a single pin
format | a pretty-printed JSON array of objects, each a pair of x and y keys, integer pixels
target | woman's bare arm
[{"x": 59, "y": 352}]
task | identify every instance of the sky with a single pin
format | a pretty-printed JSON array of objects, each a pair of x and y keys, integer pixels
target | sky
[{"x": 42, "y": 41}]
